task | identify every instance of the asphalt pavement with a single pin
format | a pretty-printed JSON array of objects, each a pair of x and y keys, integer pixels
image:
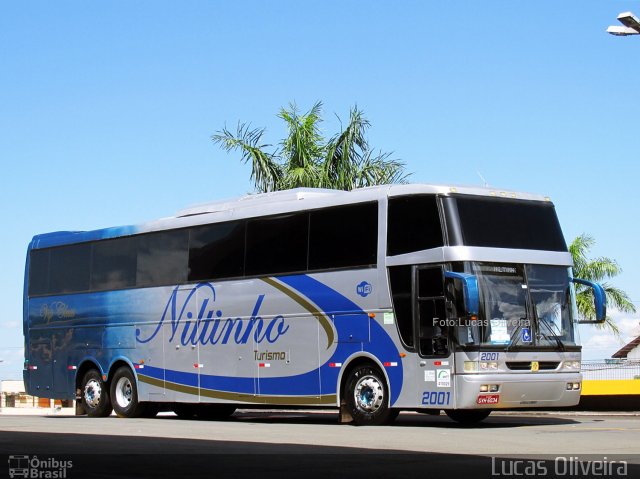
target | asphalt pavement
[{"x": 310, "y": 444}]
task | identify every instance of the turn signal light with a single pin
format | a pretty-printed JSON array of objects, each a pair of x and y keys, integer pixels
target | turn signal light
[{"x": 489, "y": 388}]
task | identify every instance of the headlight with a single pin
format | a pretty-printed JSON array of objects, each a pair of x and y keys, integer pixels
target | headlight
[
  {"x": 572, "y": 365},
  {"x": 489, "y": 365},
  {"x": 470, "y": 366}
]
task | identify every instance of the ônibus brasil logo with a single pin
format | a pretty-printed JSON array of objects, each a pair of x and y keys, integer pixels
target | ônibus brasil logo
[{"x": 35, "y": 467}]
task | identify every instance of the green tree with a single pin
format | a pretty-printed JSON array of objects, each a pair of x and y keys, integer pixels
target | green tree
[
  {"x": 305, "y": 159},
  {"x": 599, "y": 270}
]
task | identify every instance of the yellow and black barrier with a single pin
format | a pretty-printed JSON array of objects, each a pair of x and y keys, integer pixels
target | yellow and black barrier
[{"x": 610, "y": 395}]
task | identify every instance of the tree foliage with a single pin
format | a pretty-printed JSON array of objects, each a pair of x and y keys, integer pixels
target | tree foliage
[
  {"x": 305, "y": 159},
  {"x": 599, "y": 270}
]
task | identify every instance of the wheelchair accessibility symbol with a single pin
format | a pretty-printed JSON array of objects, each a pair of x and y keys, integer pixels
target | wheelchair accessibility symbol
[{"x": 526, "y": 335}]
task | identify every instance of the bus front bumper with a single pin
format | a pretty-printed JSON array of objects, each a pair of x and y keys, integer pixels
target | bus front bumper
[{"x": 531, "y": 390}]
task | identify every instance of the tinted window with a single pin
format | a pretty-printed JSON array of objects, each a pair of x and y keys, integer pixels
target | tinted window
[
  {"x": 430, "y": 282},
  {"x": 217, "y": 251},
  {"x": 69, "y": 268},
  {"x": 400, "y": 282},
  {"x": 413, "y": 224},
  {"x": 113, "y": 264},
  {"x": 502, "y": 223},
  {"x": 162, "y": 258},
  {"x": 277, "y": 244},
  {"x": 345, "y": 236},
  {"x": 39, "y": 272}
]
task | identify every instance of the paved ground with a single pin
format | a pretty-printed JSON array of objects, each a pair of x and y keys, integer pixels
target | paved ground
[{"x": 312, "y": 444}]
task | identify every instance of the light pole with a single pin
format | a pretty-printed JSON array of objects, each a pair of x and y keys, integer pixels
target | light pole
[{"x": 631, "y": 25}]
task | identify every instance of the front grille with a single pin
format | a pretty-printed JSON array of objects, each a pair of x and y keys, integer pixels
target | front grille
[{"x": 526, "y": 365}]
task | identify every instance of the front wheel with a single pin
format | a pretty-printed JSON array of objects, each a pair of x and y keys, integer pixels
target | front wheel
[
  {"x": 367, "y": 397},
  {"x": 124, "y": 395},
  {"x": 468, "y": 416},
  {"x": 95, "y": 395}
]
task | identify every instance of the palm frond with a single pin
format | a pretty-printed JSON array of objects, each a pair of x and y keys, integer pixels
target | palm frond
[
  {"x": 598, "y": 270},
  {"x": 349, "y": 161},
  {"x": 265, "y": 169},
  {"x": 303, "y": 146},
  {"x": 304, "y": 158}
]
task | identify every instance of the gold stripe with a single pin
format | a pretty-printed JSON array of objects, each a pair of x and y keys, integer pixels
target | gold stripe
[
  {"x": 322, "y": 318},
  {"x": 240, "y": 397}
]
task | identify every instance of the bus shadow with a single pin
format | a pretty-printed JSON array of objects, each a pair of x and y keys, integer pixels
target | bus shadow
[
  {"x": 117, "y": 456},
  {"x": 405, "y": 419},
  {"x": 495, "y": 421}
]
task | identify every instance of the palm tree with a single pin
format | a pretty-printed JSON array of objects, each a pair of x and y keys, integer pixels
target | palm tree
[
  {"x": 305, "y": 159},
  {"x": 598, "y": 269}
]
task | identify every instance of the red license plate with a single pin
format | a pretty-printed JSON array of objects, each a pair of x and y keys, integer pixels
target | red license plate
[{"x": 489, "y": 399}]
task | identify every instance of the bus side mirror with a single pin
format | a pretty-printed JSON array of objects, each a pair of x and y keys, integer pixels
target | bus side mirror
[
  {"x": 469, "y": 289},
  {"x": 599, "y": 299}
]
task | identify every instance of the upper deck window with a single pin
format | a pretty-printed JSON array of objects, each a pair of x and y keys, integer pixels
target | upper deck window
[
  {"x": 277, "y": 244},
  {"x": 216, "y": 251},
  {"x": 413, "y": 224},
  {"x": 69, "y": 268},
  {"x": 343, "y": 237},
  {"x": 162, "y": 258},
  {"x": 503, "y": 223},
  {"x": 113, "y": 264}
]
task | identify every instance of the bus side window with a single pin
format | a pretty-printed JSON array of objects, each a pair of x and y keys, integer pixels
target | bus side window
[
  {"x": 400, "y": 284},
  {"x": 433, "y": 328},
  {"x": 431, "y": 318}
]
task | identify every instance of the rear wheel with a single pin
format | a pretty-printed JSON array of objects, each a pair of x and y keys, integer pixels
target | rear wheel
[
  {"x": 124, "y": 395},
  {"x": 95, "y": 395},
  {"x": 468, "y": 416},
  {"x": 367, "y": 397}
]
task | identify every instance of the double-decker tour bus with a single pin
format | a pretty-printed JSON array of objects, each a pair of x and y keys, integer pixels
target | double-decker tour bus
[{"x": 417, "y": 297}]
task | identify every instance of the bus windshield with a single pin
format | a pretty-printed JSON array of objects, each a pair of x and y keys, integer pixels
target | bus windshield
[{"x": 522, "y": 306}]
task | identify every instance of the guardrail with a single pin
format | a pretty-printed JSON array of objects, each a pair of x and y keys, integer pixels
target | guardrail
[{"x": 610, "y": 369}]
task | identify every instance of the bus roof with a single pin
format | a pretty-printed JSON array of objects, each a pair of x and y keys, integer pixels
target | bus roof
[{"x": 263, "y": 204}]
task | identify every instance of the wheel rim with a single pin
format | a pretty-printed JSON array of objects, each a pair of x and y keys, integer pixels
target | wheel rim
[
  {"x": 369, "y": 394},
  {"x": 124, "y": 392},
  {"x": 92, "y": 393}
]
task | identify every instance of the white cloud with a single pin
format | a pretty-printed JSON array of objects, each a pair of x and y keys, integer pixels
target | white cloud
[
  {"x": 11, "y": 324},
  {"x": 12, "y": 363},
  {"x": 629, "y": 324},
  {"x": 629, "y": 328},
  {"x": 602, "y": 341}
]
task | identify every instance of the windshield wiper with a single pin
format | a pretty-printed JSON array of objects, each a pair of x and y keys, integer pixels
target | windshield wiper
[
  {"x": 553, "y": 334},
  {"x": 514, "y": 335}
]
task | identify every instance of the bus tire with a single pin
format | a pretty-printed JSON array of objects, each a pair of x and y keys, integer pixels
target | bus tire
[
  {"x": 468, "y": 416},
  {"x": 367, "y": 397},
  {"x": 95, "y": 395},
  {"x": 124, "y": 394}
]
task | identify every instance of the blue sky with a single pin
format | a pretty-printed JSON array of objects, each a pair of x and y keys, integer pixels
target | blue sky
[{"x": 106, "y": 110}]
